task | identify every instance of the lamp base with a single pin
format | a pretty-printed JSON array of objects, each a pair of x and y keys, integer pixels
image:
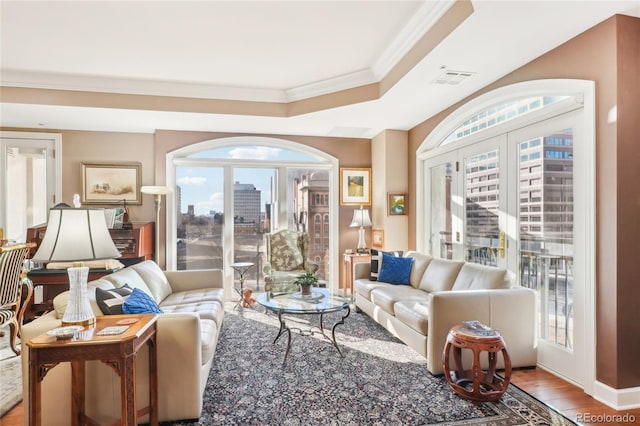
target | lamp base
[{"x": 78, "y": 311}]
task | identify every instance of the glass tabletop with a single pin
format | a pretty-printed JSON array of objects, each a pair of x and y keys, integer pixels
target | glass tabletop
[{"x": 321, "y": 300}]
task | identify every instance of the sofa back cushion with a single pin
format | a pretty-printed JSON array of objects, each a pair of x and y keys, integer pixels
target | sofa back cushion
[
  {"x": 420, "y": 263},
  {"x": 155, "y": 279},
  {"x": 440, "y": 275},
  {"x": 474, "y": 276},
  {"x": 128, "y": 276}
]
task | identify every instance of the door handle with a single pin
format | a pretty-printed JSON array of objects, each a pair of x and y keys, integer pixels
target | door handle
[{"x": 501, "y": 244}]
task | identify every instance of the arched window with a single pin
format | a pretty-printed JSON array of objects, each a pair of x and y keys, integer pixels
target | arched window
[{"x": 230, "y": 191}]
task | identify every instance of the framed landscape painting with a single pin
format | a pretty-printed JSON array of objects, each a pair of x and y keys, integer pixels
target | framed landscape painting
[
  {"x": 397, "y": 204},
  {"x": 109, "y": 183},
  {"x": 355, "y": 186}
]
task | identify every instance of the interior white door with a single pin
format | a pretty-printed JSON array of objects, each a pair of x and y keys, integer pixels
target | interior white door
[{"x": 28, "y": 178}]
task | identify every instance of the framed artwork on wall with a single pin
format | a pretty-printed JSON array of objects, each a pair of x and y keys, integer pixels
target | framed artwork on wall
[
  {"x": 397, "y": 204},
  {"x": 355, "y": 186},
  {"x": 111, "y": 183},
  {"x": 377, "y": 238}
]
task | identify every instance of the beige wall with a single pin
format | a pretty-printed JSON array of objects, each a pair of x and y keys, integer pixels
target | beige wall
[
  {"x": 608, "y": 55},
  {"x": 389, "y": 157}
]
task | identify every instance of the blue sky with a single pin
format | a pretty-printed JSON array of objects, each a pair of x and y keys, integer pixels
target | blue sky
[{"x": 203, "y": 186}]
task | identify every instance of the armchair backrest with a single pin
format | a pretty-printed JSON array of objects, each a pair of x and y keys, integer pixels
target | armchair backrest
[
  {"x": 287, "y": 250},
  {"x": 11, "y": 261}
]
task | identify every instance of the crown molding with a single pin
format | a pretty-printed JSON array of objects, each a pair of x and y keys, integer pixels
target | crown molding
[
  {"x": 77, "y": 82},
  {"x": 426, "y": 17}
]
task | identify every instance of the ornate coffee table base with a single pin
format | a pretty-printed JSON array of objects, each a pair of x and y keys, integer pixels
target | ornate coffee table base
[{"x": 284, "y": 328}]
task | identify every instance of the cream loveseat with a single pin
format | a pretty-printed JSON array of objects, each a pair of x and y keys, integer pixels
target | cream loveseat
[
  {"x": 187, "y": 333},
  {"x": 443, "y": 293}
]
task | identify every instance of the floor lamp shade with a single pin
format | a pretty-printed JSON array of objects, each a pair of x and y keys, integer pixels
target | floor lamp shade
[{"x": 76, "y": 235}]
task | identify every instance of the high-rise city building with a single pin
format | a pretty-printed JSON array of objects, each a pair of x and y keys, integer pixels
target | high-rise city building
[{"x": 246, "y": 203}]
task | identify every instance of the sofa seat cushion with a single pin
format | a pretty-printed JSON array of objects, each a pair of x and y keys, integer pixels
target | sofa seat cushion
[
  {"x": 387, "y": 295},
  {"x": 192, "y": 296},
  {"x": 211, "y": 310},
  {"x": 474, "y": 276},
  {"x": 414, "y": 313},
  {"x": 365, "y": 286},
  {"x": 208, "y": 339}
]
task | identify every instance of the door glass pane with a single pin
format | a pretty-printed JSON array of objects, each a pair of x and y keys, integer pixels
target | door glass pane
[
  {"x": 441, "y": 214},
  {"x": 251, "y": 196},
  {"x": 308, "y": 208},
  {"x": 481, "y": 175},
  {"x": 27, "y": 190},
  {"x": 200, "y": 217},
  {"x": 546, "y": 230}
]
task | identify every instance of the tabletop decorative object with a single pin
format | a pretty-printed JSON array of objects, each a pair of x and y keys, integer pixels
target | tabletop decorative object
[{"x": 306, "y": 281}]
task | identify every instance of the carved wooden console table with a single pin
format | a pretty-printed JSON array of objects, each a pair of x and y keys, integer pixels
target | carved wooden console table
[{"x": 118, "y": 351}]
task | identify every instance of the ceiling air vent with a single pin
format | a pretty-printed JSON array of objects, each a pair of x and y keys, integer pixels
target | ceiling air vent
[{"x": 452, "y": 77}]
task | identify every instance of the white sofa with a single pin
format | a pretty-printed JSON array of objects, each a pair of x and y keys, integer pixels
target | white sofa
[
  {"x": 187, "y": 334},
  {"x": 443, "y": 293}
]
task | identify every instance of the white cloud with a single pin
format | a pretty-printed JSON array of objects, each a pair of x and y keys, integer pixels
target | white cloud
[
  {"x": 255, "y": 153},
  {"x": 192, "y": 180}
]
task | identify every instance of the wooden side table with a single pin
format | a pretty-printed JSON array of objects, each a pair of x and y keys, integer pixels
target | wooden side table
[
  {"x": 348, "y": 264},
  {"x": 475, "y": 383},
  {"x": 118, "y": 351}
]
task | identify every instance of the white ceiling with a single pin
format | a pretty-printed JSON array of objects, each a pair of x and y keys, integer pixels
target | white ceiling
[{"x": 271, "y": 51}]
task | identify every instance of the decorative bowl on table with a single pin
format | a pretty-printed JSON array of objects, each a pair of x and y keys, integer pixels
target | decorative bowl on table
[{"x": 62, "y": 333}]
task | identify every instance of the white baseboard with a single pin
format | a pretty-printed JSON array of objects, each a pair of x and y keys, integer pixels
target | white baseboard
[{"x": 618, "y": 399}]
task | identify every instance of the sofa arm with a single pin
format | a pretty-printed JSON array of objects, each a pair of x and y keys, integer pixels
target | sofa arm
[
  {"x": 361, "y": 270},
  {"x": 194, "y": 279},
  {"x": 510, "y": 311}
]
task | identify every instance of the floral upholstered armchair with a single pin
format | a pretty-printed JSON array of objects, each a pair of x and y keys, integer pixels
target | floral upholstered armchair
[{"x": 286, "y": 258}]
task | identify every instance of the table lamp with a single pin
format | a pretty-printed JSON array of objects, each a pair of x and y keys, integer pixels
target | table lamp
[
  {"x": 158, "y": 191},
  {"x": 76, "y": 235},
  {"x": 361, "y": 219}
]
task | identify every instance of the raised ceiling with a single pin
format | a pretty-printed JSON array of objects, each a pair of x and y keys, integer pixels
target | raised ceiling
[{"x": 327, "y": 68}]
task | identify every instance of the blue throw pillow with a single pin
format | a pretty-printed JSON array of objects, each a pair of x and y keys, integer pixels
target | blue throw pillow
[
  {"x": 140, "y": 302},
  {"x": 395, "y": 270}
]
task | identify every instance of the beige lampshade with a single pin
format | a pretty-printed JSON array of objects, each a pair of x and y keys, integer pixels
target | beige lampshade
[
  {"x": 360, "y": 218},
  {"x": 155, "y": 190},
  {"x": 76, "y": 235}
]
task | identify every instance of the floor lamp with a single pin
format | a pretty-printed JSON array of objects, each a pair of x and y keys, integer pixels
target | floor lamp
[{"x": 158, "y": 192}]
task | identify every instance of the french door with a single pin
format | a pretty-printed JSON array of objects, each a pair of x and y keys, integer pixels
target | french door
[{"x": 508, "y": 201}]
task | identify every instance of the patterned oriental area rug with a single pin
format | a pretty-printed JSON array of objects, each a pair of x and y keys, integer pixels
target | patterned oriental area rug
[
  {"x": 10, "y": 376},
  {"x": 380, "y": 381}
]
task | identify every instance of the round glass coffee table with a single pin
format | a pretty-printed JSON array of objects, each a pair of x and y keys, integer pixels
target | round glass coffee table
[{"x": 321, "y": 301}]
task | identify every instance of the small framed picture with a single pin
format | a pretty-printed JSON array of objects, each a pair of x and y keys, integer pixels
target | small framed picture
[
  {"x": 397, "y": 204},
  {"x": 377, "y": 238},
  {"x": 355, "y": 186},
  {"x": 109, "y": 183}
]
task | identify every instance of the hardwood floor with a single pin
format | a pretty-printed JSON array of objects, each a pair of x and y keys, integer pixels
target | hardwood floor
[{"x": 569, "y": 400}]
